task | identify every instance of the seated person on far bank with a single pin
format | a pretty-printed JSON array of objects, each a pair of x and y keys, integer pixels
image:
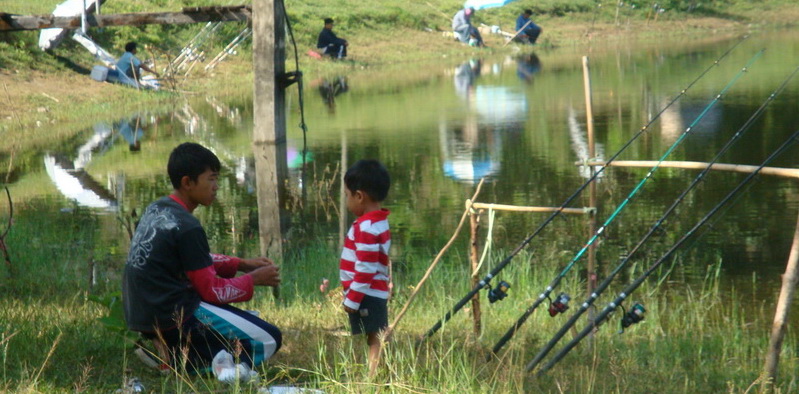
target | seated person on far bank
[
  {"x": 176, "y": 293},
  {"x": 529, "y": 30},
  {"x": 329, "y": 43},
  {"x": 128, "y": 67},
  {"x": 464, "y": 31}
]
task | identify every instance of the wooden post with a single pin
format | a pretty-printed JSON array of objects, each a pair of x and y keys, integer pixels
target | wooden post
[
  {"x": 13, "y": 22},
  {"x": 342, "y": 202},
  {"x": 474, "y": 257},
  {"x": 589, "y": 114},
  {"x": 269, "y": 129},
  {"x": 789, "y": 281}
]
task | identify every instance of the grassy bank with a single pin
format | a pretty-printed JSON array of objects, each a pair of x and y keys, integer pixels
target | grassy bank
[
  {"x": 700, "y": 338},
  {"x": 41, "y": 89}
]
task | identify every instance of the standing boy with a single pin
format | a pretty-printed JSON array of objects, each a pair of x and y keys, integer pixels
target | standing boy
[
  {"x": 364, "y": 262},
  {"x": 177, "y": 293}
]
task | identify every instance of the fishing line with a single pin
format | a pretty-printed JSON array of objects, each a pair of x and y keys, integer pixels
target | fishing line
[
  {"x": 655, "y": 227},
  {"x": 638, "y": 281},
  {"x": 485, "y": 282},
  {"x": 556, "y": 281}
]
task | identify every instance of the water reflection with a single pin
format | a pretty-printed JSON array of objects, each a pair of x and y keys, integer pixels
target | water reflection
[
  {"x": 472, "y": 145},
  {"x": 131, "y": 130},
  {"x": 580, "y": 146},
  {"x": 676, "y": 118},
  {"x": 69, "y": 175},
  {"x": 77, "y": 185},
  {"x": 330, "y": 88},
  {"x": 527, "y": 66}
]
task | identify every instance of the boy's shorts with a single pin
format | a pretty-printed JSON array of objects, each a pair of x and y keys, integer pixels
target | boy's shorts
[{"x": 372, "y": 316}]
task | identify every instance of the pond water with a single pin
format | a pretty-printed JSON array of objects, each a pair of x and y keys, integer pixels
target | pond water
[{"x": 519, "y": 122}]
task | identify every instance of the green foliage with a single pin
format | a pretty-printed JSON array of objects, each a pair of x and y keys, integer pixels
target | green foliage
[{"x": 115, "y": 319}]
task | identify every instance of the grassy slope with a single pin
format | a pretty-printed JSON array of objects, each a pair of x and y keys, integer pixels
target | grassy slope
[{"x": 41, "y": 88}]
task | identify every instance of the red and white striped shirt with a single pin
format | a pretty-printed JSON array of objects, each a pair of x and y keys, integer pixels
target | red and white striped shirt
[{"x": 363, "y": 268}]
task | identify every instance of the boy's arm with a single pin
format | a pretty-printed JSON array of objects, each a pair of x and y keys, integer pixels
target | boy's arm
[
  {"x": 225, "y": 266},
  {"x": 216, "y": 290}
]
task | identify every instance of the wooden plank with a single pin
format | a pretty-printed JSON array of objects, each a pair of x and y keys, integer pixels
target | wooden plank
[
  {"x": 698, "y": 165},
  {"x": 515, "y": 208},
  {"x": 13, "y": 22}
]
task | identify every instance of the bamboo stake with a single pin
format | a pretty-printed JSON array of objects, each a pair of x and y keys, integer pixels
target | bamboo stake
[
  {"x": 698, "y": 165},
  {"x": 474, "y": 249},
  {"x": 592, "y": 197},
  {"x": 514, "y": 208},
  {"x": 404, "y": 309},
  {"x": 789, "y": 281}
]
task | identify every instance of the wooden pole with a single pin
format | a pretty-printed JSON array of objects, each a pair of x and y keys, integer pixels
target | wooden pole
[
  {"x": 789, "y": 281},
  {"x": 698, "y": 165},
  {"x": 592, "y": 198},
  {"x": 474, "y": 257},
  {"x": 342, "y": 204},
  {"x": 241, "y": 13},
  {"x": 269, "y": 129},
  {"x": 514, "y": 208}
]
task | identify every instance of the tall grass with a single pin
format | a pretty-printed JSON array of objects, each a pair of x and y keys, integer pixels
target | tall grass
[{"x": 700, "y": 338}]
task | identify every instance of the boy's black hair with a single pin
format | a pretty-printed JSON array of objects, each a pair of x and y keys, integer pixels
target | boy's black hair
[
  {"x": 328, "y": 21},
  {"x": 129, "y": 47},
  {"x": 528, "y": 12},
  {"x": 190, "y": 159},
  {"x": 369, "y": 176}
]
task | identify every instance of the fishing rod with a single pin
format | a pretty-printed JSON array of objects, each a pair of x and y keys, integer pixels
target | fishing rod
[
  {"x": 485, "y": 282},
  {"x": 636, "y": 313},
  {"x": 559, "y": 305},
  {"x": 606, "y": 282}
]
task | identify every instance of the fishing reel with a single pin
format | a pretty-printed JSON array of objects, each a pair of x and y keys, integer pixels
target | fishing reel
[
  {"x": 498, "y": 293},
  {"x": 560, "y": 305},
  {"x": 633, "y": 316}
]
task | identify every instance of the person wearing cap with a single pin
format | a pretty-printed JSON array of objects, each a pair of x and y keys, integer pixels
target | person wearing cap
[
  {"x": 464, "y": 31},
  {"x": 329, "y": 43}
]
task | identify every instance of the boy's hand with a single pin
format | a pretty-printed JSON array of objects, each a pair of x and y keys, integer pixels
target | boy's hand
[
  {"x": 268, "y": 275},
  {"x": 248, "y": 265},
  {"x": 348, "y": 309}
]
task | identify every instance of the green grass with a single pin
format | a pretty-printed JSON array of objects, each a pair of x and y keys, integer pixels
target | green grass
[{"x": 700, "y": 338}]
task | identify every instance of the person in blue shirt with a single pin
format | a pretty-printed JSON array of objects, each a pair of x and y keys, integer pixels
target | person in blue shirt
[
  {"x": 329, "y": 43},
  {"x": 128, "y": 68},
  {"x": 529, "y": 30}
]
